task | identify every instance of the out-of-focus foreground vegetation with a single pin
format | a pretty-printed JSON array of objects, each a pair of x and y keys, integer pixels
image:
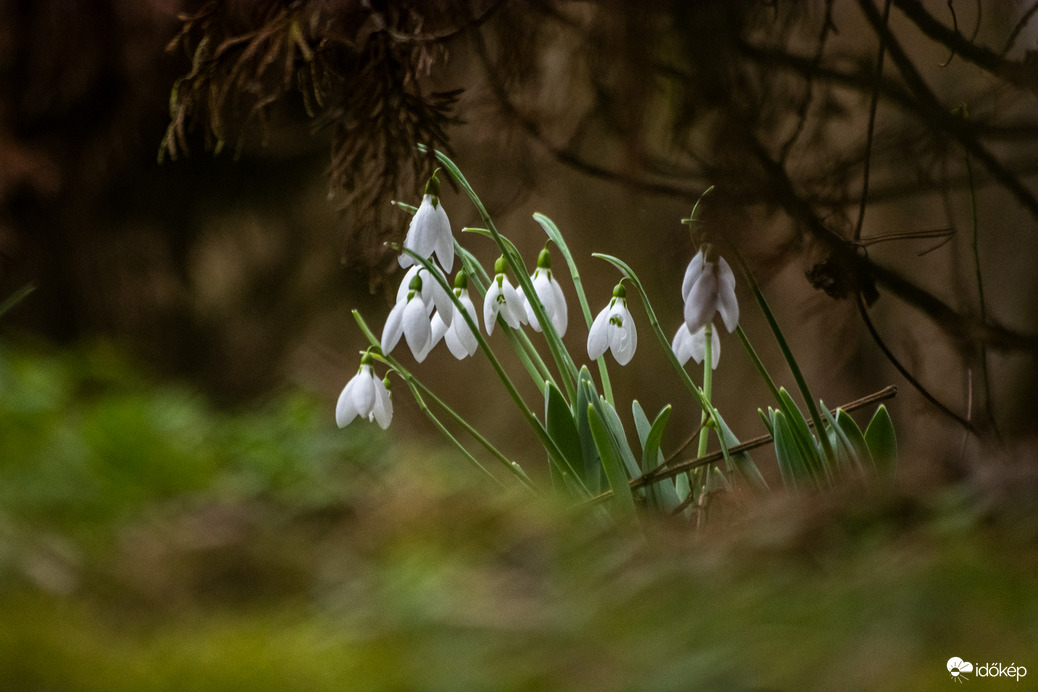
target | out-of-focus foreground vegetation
[{"x": 150, "y": 541}]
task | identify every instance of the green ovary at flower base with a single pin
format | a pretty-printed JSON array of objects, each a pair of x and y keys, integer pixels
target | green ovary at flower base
[
  {"x": 366, "y": 396},
  {"x": 613, "y": 329}
]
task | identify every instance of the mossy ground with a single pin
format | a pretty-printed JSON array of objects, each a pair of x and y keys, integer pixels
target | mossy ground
[{"x": 150, "y": 541}]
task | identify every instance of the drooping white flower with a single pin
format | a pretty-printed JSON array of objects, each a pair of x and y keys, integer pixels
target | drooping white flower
[
  {"x": 432, "y": 293},
  {"x": 409, "y": 318},
  {"x": 430, "y": 230},
  {"x": 366, "y": 396},
  {"x": 708, "y": 288},
  {"x": 550, "y": 294},
  {"x": 502, "y": 299},
  {"x": 687, "y": 344},
  {"x": 613, "y": 329},
  {"x": 461, "y": 341}
]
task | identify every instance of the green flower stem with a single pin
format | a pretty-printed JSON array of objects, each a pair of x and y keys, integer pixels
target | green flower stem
[
  {"x": 708, "y": 385},
  {"x": 697, "y": 393},
  {"x": 787, "y": 353},
  {"x": 477, "y": 436},
  {"x": 411, "y": 384},
  {"x": 546, "y": 440},
  {"x": 758, "y": 363},
  {"x": 417, "y": 387},
  {"x": 520, "y": 343},
  {"x": 515, "y": 263},
  {"x": 555, "y": 234}
]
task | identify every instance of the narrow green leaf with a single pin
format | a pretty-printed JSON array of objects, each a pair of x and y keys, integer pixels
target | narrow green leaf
[
  {"x": 561, "y": 428},
  {"x": 787, "y": 451},
  {"x": 857, "y": 439},
  {"x": 742, "y": 462},
  {"x": 618, "y": 479},
  {"x": 662, "y": 495},
  {"x": 846, "y": 456},
  {"x": 882, "y": 442},
  {"x": 587, "y": 396},
  {"x": 801, "y": 433},
  {"x": 616, "y": 428}
]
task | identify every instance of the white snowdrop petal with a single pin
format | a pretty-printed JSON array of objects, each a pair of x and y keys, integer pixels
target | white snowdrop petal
[
  {"x": 345, "y": 411},
  {"x": 692, "y": 272},
  {"x": 513, "y": 312},
  {"x": 393, "y": 328},
  {"x": 417, "y": 329},
  {"x": 682, "y": 344},
  {"x": 383, "y": 409},
  {"x": 701, "y": 303}
]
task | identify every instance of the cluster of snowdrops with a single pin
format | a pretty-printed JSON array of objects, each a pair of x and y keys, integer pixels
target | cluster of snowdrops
[{"x": 589, "y": 453}]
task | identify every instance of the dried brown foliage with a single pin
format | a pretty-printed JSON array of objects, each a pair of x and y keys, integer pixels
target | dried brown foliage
[{"x": 360, "y": 70}]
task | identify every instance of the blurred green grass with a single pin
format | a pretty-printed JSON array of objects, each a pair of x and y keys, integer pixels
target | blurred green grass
[{"x": 153, "y": 542}]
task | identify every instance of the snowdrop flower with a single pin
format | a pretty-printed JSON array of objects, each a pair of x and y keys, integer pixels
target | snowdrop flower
[
  {"x": 430, "y": 230},
  {"x": 613, "y": 329},
  {"x": 502, "y": 299},
  {"x": 687, "y": 344},
  {"x": 709, "y": 288},
  {"x": 366, "y": 396},
  {"x": 550, "y": 293},
  {"x": 461, "y": 341},
  {"x": 409, "y": 318},
  {"x": 432, "y": 293}
]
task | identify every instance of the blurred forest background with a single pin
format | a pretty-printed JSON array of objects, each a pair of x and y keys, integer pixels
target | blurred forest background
[{"x": 200, "y": 192}]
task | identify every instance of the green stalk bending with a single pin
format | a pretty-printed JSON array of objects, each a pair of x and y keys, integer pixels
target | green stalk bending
[
  {"x": 549, "y": 444},
  {"x": 515, "y": 263},
  {"x": 787, "y": 353},
  {"x": 415, "y": 385}
]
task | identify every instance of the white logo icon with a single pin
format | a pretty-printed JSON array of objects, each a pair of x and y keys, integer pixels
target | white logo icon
[{"x": 956, "y": 666}]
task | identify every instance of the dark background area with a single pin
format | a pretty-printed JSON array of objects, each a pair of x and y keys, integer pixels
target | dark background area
[{"x": 233, "y": 263}]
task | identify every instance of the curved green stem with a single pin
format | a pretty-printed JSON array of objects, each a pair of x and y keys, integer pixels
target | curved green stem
[
  {"x": 794, "y": 368},
  {"x": 549, "y": 444},
  {"x": 415, "y": 385},
  {"x": 696, "y": 392},
  {"x": 555, "y": 234},
  {"x": 515, "y": 263}
]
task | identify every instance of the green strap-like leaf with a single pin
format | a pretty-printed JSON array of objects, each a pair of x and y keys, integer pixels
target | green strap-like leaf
[
  {"x": 853, "y": 432},
  {"x": 881, "y": 440},
  {"x": 618, "y": 479},
  {"x": 742, "y": 462},
  {"x": 563, "y": 430}
]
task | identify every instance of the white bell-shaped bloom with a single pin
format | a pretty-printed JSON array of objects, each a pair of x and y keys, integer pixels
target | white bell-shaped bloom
[
  {"x": 687, "y": 344},
  {"x": 708, "y": 288},
  {"x": 430, "y": 230},
  {"x": 461, "y": 341},
  {"x": 409, "y": 318},
  {"x": 613, "y": 329},
  {"x": 502, "y": 299},
  {"x": 550, "y": 294},
  {"x": 366, "y": 396},
  {"x": 432, "y": 293}
]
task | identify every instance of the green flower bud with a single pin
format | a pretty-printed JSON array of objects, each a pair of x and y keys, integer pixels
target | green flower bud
[
  {"x": 461, "y": 280},
  {"x": 619, "y": 291},
  {"x": 501, "y": 265}
]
